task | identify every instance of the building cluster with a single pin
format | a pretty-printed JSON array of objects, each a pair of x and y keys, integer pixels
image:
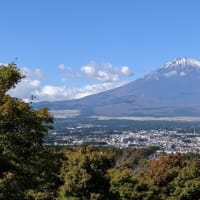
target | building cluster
[{"x": 167, "y": 141}]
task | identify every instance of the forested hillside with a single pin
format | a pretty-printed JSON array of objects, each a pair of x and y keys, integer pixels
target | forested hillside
[
  {"x": 31, "y": 171},
  {"x": 114, "y": 174}
]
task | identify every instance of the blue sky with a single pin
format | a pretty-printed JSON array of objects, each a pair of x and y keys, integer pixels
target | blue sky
[{"x": 72, "y": 48}]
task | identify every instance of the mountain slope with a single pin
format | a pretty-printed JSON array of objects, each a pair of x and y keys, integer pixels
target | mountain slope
[{"x": 172, "y": 90}]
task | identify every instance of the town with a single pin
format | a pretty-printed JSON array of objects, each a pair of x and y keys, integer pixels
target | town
[{"x": 168, "y": 140}]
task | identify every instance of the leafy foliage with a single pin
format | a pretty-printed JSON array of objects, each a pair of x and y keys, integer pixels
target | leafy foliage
[
  {"x": 23, "y": 159},
  {"x": 84, "y": 174}
]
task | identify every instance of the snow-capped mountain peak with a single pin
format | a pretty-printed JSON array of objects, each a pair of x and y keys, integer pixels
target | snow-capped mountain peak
[
  {"x": 178, "y": 67},
  {"x": 183, "y": 62}
]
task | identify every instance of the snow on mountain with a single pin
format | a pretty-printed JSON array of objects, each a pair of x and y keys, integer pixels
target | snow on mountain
[
  {"x": 182, "y": 63},
  {"x": 177, "y": 67}
]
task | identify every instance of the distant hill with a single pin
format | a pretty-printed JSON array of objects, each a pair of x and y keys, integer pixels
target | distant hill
[{"x": 172, "y": 90}]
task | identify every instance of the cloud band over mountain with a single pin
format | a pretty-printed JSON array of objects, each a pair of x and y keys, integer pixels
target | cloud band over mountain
[{"x": 101, "y": 77}]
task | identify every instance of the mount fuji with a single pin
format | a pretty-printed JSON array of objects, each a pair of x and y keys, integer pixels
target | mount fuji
[{"x": 171, "y": 90}]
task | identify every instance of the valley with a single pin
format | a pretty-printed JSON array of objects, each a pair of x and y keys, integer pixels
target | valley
[{"x": 181, "y": 134}]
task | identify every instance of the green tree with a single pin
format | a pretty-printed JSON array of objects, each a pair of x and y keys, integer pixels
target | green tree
[
  {"x": 187, "y": 184},
  {"x": 22, "y": 154},
  {"x": 125, "y": 186},
  {"x": 84, "y": 174}
]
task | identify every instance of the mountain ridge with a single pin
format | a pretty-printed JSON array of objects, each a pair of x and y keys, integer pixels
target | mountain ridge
[{"x": 171, "y": 90}]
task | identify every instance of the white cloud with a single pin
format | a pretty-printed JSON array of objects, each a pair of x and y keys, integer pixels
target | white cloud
[
  {"x": 126, "y": 71},
  {"x": 107, "y": 77},
  {"x": 32, "y": 74},
  {"x": 93, "y": 89},
  {"x": 27, "y": 88},
  {"x": 89, "y": 70},
  {"x": 105, "y": 72},
  {"x": 104, "y": 77},
  {"x": 62, "y": 68},
  {"x": 55, "y": 93},
  {"x": 51, "y": 92},
  {"x": 4, "y": 64},
  {"x": 38, "y": 73},
  {"x": 35, "y": 83}
]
